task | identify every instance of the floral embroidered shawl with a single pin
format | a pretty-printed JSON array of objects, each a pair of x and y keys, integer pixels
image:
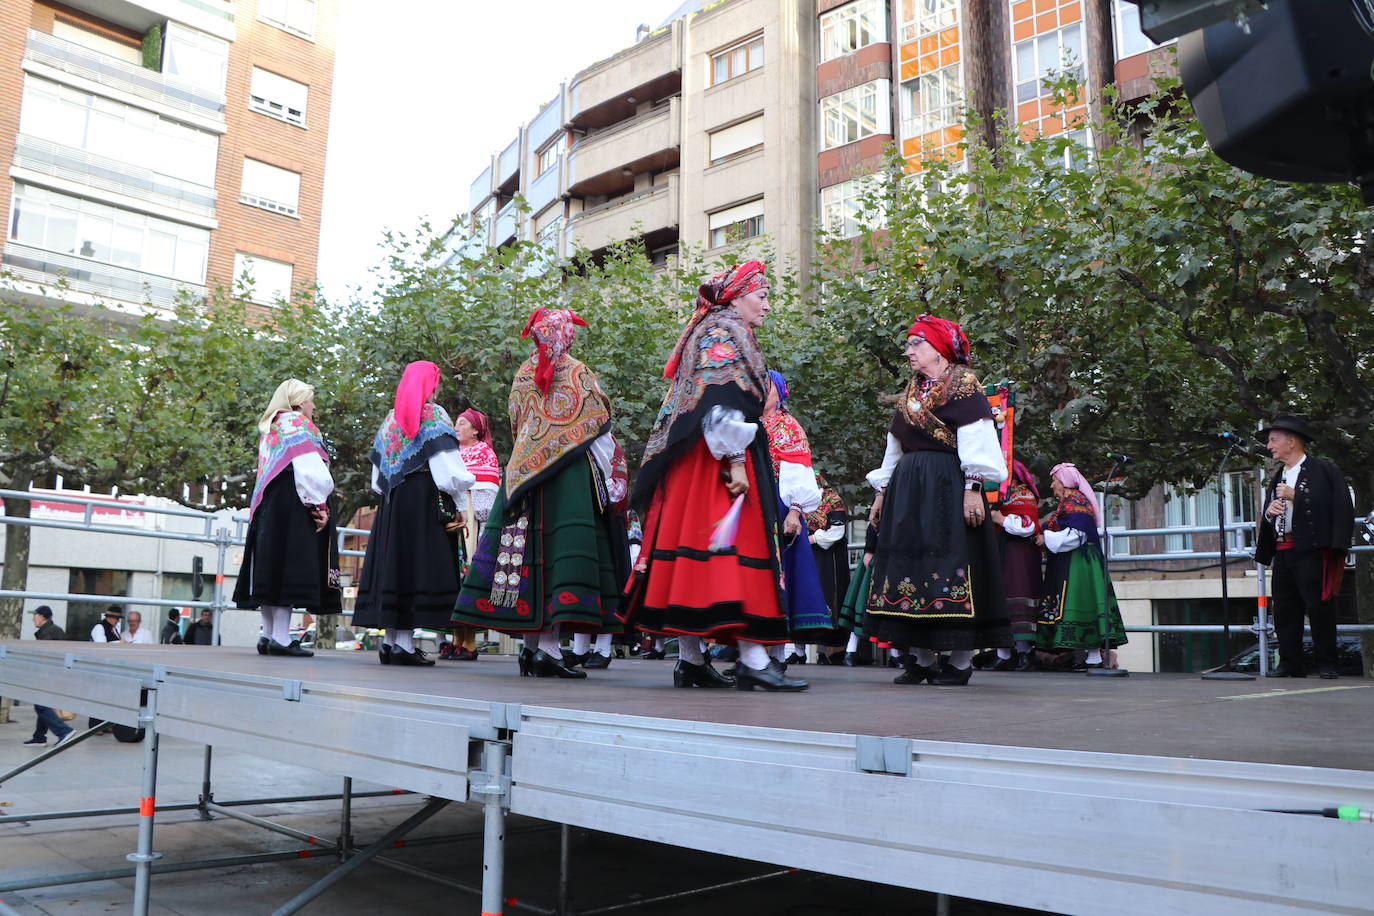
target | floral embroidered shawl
[
  {"x": 786, "y": 440},
  {"x": 1021, "y": 502},
  {"x": 933, "y": 409},
  {"x": 552, "y": 428},
  {"x": 831, "y": 505},
  {"x": 1074, "y": 511},
  {"x": 289, "y": 436},
  {"x": 481, "y": 460},
  {"x": 397, "y": 455}
]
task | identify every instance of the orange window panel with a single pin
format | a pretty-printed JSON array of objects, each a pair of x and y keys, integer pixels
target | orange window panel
[
  {"x": 949, "y": 36},
  {"x": 1070, "y": 14},
  {"x": 953, "y": 134},
  {"x": 1028, "y": 132},
  {"x": 930, "y": 43},
  {"x": 1023, "y": 30},
  {"x": 1076, "y": 117},
  {"x": 1027, "y": 111},
  {"x": 949, "y": 56},
  {"x": 1022, "y": 10},
  {"x": 1046, "y": 23},
  {"x": 928, "y": 63},
  {"x": 1051, "y": 126},
  {"x": 909, "y": 51},
  {"x": 1043, "y": 5},
  {"x": 909, "y": 70}
]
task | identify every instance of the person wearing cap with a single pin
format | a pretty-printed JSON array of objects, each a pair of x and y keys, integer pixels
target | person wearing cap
[
  {"x": 48, "y": 718},
  {"x": 937, "y": 572},
  {"x": 107, "y": 630},
  {"x": 1303, "y": 537}
]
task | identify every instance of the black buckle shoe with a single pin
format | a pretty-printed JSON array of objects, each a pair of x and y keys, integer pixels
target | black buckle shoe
[
  {"x": 416, "y": 659},
  {"x": 524, "y": 659},
  {"x": 276, "y": 648},
  {"x": 686, "y": 674},
  {"x": 262, "y": 645},
  {"x": 573, "y": 659},
  {"x": 384, "y": 653},
  {"x": 913, "y": 673},
  {"x": 772, "y": 678},
  {"x": 654, "y": 654},
  {"x": 950, "y": 676},
  {"x": 596, "y": 661},
  {"x": 545, "y": 665},
  {"x": 794, "y": 659}
]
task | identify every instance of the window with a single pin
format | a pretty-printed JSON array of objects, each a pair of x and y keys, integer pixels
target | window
[
  {"x": 1036, "y": 57},
  {"x": 105, "y": 127},
  {"x": 931, "y": 102},
  {"x": 262, "y": 280},
  {"x": 926, "y": 17},
  {"x": 549, "y": 156},
  {"x": 737, "y": 61},
  {"x": 83, "y": 228},
  {"x": 1130, "y": 40},
  {"x": 843, "y": 208},
  {"x": 294, "y": 16},
  {"x": 95, "y": 41},
  {"x": 851, "y": 27},
  {"x": 278, "y": 96},
  {"x": 662, "y": 256},
  {"x": 855, "y": 113},
  {"x": 736, "y": 139},
  {"x": 1078, "y": 154},
  {"x": 194, "y": 57},
  {"x": 744, "y": 221},
  {"x": 1116, "y": 513},
  {"x": 1199, "y": 509},
  {"x": 269, "y": 187}
]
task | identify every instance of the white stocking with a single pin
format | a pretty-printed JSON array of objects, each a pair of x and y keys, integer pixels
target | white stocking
[
  {"x": 281, "y": 626},
  {"x": 389, "y": 637},
  {"x": 926, "y": 657},
  {"x": 894, "y": 652},
  {"x": 404, "y": 642},
  {"x": 582, "y": 643},
  {"x": 752, "y": 655},
  {"x": 267, "y": 617},
  {"x": 962, "y": 658},
  {"x": 778, "y": 653},
  {"x": 853, "y": 644},
  {"x": 603, "y": 644},
  {"x": 689, "y": 649},
  {"x": 658, "y": 644},
  {"x": 1023, "y": 645},
  {"x": 1094, "y": 657},
  {"x": 1004, "y": 654},
  {"x": 548, "y": 641}
]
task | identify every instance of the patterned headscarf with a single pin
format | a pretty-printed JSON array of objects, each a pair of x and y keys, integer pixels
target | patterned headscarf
[
  {"x": 418, "y": 383},
  {"x": 945, "y": 336},
  {"x": 1022, "y": 475},
  {"x": 480, "y": 425},
  {"x": 718, "y": 292},
  {"x": 554, "y": 331},
  {"x": 780, "y": 386},
  {"x": 1069, "y": 475},
  {"x": 289, "y": 395}
]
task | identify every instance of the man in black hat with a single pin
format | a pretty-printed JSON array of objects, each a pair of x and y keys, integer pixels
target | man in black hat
[
  {"x": 107, "y": 630},
  {"x": 1303, "y": 537}
]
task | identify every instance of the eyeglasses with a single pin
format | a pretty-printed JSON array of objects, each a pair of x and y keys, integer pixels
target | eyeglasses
[{"x": 912, "y": 343}]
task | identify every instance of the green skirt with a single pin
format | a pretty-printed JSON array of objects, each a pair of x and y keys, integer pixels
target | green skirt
[
  {"x": 1071, "y": 608},
  {"x": 851, "y": 616},
  {"x": 560, "y": 549}
]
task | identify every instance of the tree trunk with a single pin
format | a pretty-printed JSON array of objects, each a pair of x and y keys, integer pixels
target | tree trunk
[
  {"x": 986, "y": 54},
  {"x": 1099, "y": 48}
]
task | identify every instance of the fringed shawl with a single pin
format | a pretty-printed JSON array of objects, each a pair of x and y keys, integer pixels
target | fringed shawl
[
  {"x": 552, "y": 428},
  {"x": 397, "y": 455},
  {"x": 289, "y": 436}
]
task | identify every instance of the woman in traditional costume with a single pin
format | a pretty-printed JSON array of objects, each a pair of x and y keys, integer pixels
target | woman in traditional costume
[
  {"x": 808, "y": 617},
  {"x": 290, "y": 556},
  {"x": 410, "y": 572},
  {"x": 707, "y": 448},
  {"x": 554, "y": 553},
  {"x": 827, "y": 528},
  {"x": 1071, "y": 606},
  {"x": 476, "y": 448},
  {"x": 937, "y": 573},
  {"x": 1021, "y": 576}
]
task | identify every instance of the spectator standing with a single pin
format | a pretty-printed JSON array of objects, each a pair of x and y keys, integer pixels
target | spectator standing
[{"x": 48, "y": 719}]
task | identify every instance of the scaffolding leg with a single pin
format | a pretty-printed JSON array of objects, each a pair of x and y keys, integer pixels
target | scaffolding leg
[
  {"x": 564, "y": 907},
  {"x": 206, "y": 797},
  {"x": 494, "y": 829},
  {"x": 144, "y": 858},
  {"x": 345, "y": 842},
  {"x": 942, "y": 905}
]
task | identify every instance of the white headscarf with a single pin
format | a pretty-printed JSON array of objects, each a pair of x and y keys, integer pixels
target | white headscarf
[{"x": 289, "y": 395}]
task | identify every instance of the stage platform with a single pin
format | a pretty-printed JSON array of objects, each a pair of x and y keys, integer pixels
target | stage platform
[{"x": 1062, "y": 792}]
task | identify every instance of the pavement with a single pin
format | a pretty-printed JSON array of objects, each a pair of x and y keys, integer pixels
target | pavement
[{"x": 606, "y": 869}]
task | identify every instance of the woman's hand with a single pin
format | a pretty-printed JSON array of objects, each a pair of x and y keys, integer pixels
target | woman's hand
[
  {"x": 739, "y": 480},
  {"x": 1039, "y": 540},
  {"x": 877, "y": 511},
  {"x": 456, "y": 527},
  {"x": 974, "y": 510},
  {"x": 320, "y": 516},
  {"x": 998, "y": 518},
  {"x": 868, "y": 558},
  {"x": 792, "y": 526}
]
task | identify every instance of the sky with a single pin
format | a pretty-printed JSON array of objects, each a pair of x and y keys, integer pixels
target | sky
[{"x": 424, "y": 94}]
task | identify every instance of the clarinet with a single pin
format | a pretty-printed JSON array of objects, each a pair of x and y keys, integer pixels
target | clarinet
[{"x": 1280, "y": 520}]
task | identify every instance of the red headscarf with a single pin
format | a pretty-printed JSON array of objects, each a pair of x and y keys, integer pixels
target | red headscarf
[
  {"x": 418, "y": 383},
  {"x": 554, "y": 331},
  {"x": 479, "y": 422},
  {"x": 945, "y": 336},
  {"x": 715, "y": 293}
]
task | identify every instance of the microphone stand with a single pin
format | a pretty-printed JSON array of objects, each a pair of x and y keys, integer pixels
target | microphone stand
[
  {"x": 1104, "y": 615},
  {"x": 1226, "y": 672}
]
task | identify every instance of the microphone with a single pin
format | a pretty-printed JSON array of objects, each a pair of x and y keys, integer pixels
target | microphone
[
  {"x": 1119, "y": 458},
  {"x": 1234, "y": 437}
]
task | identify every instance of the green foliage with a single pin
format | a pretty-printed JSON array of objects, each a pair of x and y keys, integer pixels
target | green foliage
[{"x": 152, "y": 47}]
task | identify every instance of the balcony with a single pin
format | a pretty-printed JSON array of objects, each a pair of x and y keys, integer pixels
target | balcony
[
  {"x": 544, "y": 189},
  {"x": 505, "y": 225},
  {"x": 545, "y": 125},
  {"x": 51, "y": 56},
  {"x": 480, "y": 190},
  {"x": 642, "y": 214},
  {"x": 508, "y": 168},
  {"x": 68, "y": 164},
  {"x": 648, "y": 143},
  {"x": 611, "y": 90},
  {"x": 213, "y": 16},
  {"x": 95, "y": 278}
]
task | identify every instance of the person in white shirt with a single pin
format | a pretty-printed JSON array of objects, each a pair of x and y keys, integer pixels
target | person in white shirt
[
  {"x": 137, "y": 634},
  {"x": 107, "y": 630},
  {"x": 937, "y": 572}
]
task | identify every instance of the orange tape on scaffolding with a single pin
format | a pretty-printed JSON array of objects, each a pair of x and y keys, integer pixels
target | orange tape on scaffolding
[
  {"x": 146, "y": 806},
  {"x": 219, "y": 579},
  {"x": 1263, "y": 600}
]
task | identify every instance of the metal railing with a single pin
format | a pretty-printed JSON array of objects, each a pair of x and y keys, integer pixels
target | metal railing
[
  {"x": 57, "y": 160},
  {"x": 96, "y": 278}
]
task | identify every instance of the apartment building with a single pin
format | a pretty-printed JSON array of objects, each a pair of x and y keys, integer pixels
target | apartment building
[
  {"x": 697, "y": 134},
  {"x": 156, "y": 148}
]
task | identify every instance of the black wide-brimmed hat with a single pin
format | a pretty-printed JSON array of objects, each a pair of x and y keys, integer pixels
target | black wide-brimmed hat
[
  {"x": 114, "y": 610},
  {"x": 1289, "y": 424}
]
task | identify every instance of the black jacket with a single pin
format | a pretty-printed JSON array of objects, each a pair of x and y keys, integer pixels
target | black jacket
[
  {"x": 49, "y": 630},
  {"x": 171, "y": 633},
  {"x": 1323, "y": 514},
  {"x": 200, "y": 634}
]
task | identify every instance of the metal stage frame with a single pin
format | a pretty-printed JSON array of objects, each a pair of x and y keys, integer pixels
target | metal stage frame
[{"x": 1075, "y": 831}]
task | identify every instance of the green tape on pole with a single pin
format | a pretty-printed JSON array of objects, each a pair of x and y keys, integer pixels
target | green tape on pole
[{"x": 1348, "y": 812}]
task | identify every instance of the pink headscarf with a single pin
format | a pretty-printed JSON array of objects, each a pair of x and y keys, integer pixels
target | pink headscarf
[
  {"x": 1069, "y": 475},
  {"x": 479, "y": 422},
  {"x": 418, "y": 383},
  {"x": 554, "y": 331}
]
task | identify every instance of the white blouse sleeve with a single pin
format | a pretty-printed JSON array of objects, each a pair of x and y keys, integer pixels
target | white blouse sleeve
[
  {"x": 828, "y": 537},
  {"x": 1064, "y": 541},
  {"x": 980, "y": 454},
  {"x": 726, "y": 431},
  {"x": 313, "y": 482},
  {"x": 797, "y": 487},
  {"x": 376, "y": 477},
  {"x": 1017, "y": 526},
  {"x": 603, "y": 452},
  {"x": 450, "y": 473},
  {"x": 878, "y": 478}
]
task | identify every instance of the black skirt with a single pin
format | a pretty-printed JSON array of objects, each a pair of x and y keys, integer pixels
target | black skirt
[
  {"x": 286, "y": 562},
  {"x": 937, "y": 583},
  {"x": 410, "y": 570}
]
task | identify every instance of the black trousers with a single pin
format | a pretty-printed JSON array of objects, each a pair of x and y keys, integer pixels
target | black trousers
[{"x": 1297, "y": 591}]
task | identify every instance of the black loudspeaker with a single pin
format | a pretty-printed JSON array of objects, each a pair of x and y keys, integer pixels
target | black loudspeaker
[{"x": 1294, "y": 98}]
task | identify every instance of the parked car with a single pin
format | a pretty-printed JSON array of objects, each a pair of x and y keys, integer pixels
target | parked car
[{"x": 1349, "y": 661}]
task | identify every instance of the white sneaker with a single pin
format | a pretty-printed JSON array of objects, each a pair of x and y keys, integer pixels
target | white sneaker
[{"x": 62, "y": 738}]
